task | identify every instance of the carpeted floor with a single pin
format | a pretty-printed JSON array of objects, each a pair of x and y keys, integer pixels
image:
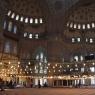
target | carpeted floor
[{"x": 49, "y": 91}]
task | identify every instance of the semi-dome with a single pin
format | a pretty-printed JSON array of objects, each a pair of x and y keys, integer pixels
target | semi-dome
[{"x": 29, "y": 8}]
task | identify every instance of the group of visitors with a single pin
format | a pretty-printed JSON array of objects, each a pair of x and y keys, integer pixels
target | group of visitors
[
  {"x": 6, "y": 84},
  {"x": 11, "y": 85},
  {"x": 44, "y": 85}
]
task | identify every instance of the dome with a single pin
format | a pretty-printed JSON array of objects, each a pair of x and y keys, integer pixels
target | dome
[{"x": 26, "y": 7}]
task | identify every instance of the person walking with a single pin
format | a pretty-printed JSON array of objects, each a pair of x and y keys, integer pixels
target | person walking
[{"x": 39, "y": 85}]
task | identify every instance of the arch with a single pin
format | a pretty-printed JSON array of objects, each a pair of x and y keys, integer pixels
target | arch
[
  {"x": 10, "y": 26},
  {"x": 38, "y": 51},
  {"x": 40, "y": 68}
]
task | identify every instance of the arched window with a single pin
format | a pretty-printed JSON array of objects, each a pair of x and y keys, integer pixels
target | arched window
[
  {"x": 7, "y": 47},
  {"x": 79, "y": 26},
  {"x": 21, "y": 19},
  {"x": 76, "y": 58},
  {"x": 10, "y": 26},
  {"x": 30, "y": 36},
  {"x": 15, "y": 29},
  {"x": 86, "y": 39},
  {"x": 36, "y": 36},
  {"x": 25, "y": 34},
  {"x": 36, "y": 21},
  {"x": 91, "y": 40},
  {"x": 17, "y": 17},
  {"x": 88, "y": 26},
  {"x": 73, "y": 40},
  {"x": 93, "y": 25},
  {"x": 75, "y": 26},
  {"x": 31, "y": 20},
  {"x": 13, "y": 15},
  {"x": 78, "y": 39},
  {"x": 26, "y": 20},
  {"x": 83, "y": 26},
  {"x": 81, "y": 58},
  {"x": 71, "y": 25},
  {"x": 5, "y": 25},
  {"x": 41, "y": 20},
  {"x": 41, "y": 57},
  {"x": 9, "y": 13},
  {"x": 41, "y": 60}
]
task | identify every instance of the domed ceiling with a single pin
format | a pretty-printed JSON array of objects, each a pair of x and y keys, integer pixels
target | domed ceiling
[
  {"x": 82, "y": 17},
  {"x": 60, "y": 6},
  {"x": 27, "y": 7},
  {"x": 33, "y": 8}
]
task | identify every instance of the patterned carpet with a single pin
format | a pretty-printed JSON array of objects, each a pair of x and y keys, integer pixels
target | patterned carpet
[{"x": 49, "y": 91}]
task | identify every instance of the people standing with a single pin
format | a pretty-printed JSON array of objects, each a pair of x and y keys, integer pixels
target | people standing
[{"x": 39, "y": 85}]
